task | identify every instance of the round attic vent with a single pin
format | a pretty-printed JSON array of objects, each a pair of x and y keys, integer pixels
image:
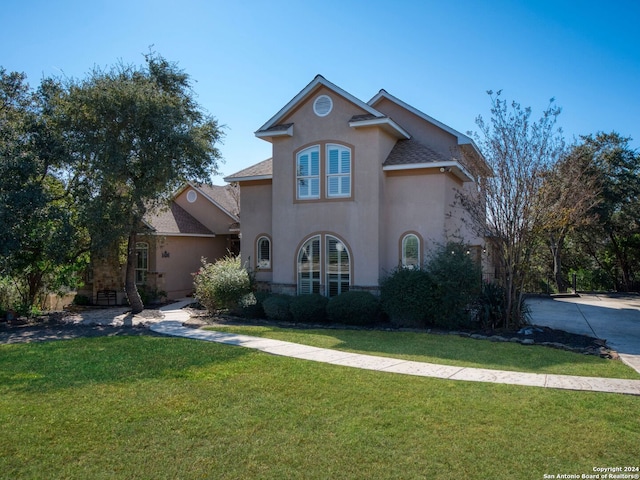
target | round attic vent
[
  {"x": 322, "y": 106},
  {"x": 192, "y": 196}
]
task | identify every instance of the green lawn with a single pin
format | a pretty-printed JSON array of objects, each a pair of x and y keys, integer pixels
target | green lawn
[
  {"x": 156, "y": 408},
  {"x": 447, "y": 350}
]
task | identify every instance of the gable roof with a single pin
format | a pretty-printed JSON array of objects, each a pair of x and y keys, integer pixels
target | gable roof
[
  {"x": 462, "y": 138},
  {"x": 220, "y": 196},
  {"x": 259, "y": 171},
  {"x": 319, "y": 80},
  {"x": 175, "y": 220}
]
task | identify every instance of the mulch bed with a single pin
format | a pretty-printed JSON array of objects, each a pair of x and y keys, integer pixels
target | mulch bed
[{"x": 52, "y": 327}]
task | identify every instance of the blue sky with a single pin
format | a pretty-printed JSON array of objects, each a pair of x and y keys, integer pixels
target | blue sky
[{"x": 249, "y": 58}]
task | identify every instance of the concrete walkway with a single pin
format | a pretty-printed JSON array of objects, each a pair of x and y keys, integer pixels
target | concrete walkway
[{"x": 174, "y": 317}]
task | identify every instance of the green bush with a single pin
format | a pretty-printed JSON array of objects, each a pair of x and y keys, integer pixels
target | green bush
[
  {"x": 276, "y": 307},
  {"x": 354, "y": 308},
  {"x": 405, "y": 296},
  {"x": 222, "y": 284},
  {"x": 9, "y": 295},
  {"x": 251, "y": 305},
  {"x": 457, "y": 284},
  {"x": 309, "y": 308}
]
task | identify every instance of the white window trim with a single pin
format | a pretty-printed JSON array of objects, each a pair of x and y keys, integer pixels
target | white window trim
[{"x": 340, "y": 148}]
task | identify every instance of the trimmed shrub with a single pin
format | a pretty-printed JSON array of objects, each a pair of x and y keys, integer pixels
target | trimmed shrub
[
  {"x": 251, "y": 305},
  {"x": 457, "y": 284},
  {"x": 354, "y": 308},
  {"x": 309, "y": 308},
  {"x": 405, "y": 296},
  {"x": 222, "y": 284},
  {"x": 276, "y": 307}
]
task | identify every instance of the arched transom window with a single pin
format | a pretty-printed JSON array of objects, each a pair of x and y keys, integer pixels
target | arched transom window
[{"x": 324, "y": 257}]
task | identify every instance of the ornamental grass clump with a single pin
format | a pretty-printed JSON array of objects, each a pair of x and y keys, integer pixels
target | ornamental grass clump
[{"x": 221, "y": 285}]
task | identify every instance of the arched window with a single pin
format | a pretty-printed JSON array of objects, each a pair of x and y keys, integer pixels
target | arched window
[
  {"x": 309, "y": 266},
  {"x": 411, "y": 251},
  {"x": 142, "y": 262},
  {"x": 338, "y": 266},
  {"x": 324, "y": 256},
  {"x": 264, "y": 253}
]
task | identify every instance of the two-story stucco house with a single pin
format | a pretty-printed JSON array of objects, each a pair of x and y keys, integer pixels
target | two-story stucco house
[{"x": 353, "y": 189}]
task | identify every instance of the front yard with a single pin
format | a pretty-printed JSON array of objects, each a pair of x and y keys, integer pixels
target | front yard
[{"x": 151, "y": 407}]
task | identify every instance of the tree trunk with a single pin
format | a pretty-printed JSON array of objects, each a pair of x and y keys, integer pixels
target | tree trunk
[
  {"x": 130, "y": 279},
  {"x": 556, "y": 252}
]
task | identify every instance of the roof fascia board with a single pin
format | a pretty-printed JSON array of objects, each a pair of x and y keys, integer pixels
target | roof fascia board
[
  {"x": 318, "y": 80},
  {"x": 461, "y": 173},
  {"x": 247, "y": 179},
  {"x": 386, "y": 121}
]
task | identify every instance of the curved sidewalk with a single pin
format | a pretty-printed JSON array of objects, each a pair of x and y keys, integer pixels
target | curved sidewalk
[{"x": 174, "y": 317}]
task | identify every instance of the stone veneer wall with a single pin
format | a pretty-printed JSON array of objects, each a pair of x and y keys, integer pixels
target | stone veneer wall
[{"x": 108, "y": 275}]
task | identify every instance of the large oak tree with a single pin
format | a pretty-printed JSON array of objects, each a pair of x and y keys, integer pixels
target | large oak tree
[{"x": 134, "y": 134}]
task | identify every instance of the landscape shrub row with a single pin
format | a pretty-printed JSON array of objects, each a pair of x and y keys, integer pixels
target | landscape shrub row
[
  {"x": 350, "y": 308},
  {"x": 446, "y": 292}
]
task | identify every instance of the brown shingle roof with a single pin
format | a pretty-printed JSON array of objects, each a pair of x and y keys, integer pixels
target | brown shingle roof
[
  {"x": 175, "y": 220},
  {"x": 223, "y": 196},
  {"x": 262, "y": 169},
  {"x": 406, "y": 152}
]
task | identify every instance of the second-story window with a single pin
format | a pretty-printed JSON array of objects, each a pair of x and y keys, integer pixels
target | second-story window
[
  {"x": 308, "y": 173},
  {"x": 338, "y": 171}
]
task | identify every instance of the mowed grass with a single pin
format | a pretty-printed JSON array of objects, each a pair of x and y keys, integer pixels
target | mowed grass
[
  {"x": 447, "y": 350},
  {"x": 166, "y": 408}
]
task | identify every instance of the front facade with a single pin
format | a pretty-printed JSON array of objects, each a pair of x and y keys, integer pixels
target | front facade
[{"x": 352, "y": 190}]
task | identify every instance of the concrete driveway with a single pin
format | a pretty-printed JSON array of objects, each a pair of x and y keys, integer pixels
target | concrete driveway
[{"x": 613, "y": 317}]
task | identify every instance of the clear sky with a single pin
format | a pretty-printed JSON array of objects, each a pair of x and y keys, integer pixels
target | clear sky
[{"x": 249, "y": 57}]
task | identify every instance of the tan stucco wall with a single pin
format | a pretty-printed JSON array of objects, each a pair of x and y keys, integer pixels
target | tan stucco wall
[
  {"x": 255, "y": 218},
  {"x": 414, "y": 203},
  {"x": 174, "y": 273}
]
